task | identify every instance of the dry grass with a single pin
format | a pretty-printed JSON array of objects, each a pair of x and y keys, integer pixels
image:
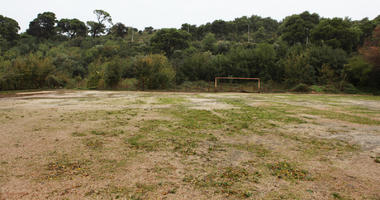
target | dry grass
[{"x": 135, "y": 145}]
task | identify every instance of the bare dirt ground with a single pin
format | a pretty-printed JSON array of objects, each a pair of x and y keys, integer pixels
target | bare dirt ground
[{"x": 68, "y": 144}]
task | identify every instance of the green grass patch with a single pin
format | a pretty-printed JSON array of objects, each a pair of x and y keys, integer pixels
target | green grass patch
[
  {"x": 313, "y": 146},
  {"x": 141, "y": 142},
  {"x": 342, "y": 116},
  {"x": 196, "y": 119},
  {"x": 171, "y": 100},
  {"x": 255, "y": 119}
]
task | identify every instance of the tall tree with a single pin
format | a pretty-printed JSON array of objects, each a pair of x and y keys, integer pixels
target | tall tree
[
  {"x": 366, "y": 27},
  {"x": 99, "y": 27},
  {"x": 43, "y": 26},
  {"x": 8, "y": 28},
  {"x": 337, "y": 33},
  {"x": 169, "y": 40},
  {"x": 119, "y": 30},
  {"x": 297, "y": 28},
  {"x": 72, "y": 27},
  {"x": 149, "y": 29},
  {"x": 371, "y": 53}
]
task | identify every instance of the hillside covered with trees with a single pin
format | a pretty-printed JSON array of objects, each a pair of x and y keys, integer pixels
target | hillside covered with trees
[{"x": 338, "y": 55}]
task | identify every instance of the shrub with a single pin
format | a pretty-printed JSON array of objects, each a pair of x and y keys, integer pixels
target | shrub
[
  {"x": 330, "y": 89},
  {"x": 154, "y": 72},
  {"x": 349, "y": 88},
  {"x": 129, "y": 84},
  {"x": 53, "y": 81},
  {"x": 317, "y": 88},
  {"x": 288, "y": 171},
  {"x": 93, "y": 81},
  {"x": 112, "y": 72},
  {"x": 195, "y": 86},
  {"x": 301, "y": 88}
]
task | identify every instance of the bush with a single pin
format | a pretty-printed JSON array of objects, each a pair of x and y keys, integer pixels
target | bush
[
  {"x": 54, "y": 82},
  {"x": 317, "y": 88},
  {"x": 301, "y": 88},
  {"x": 112, "y": 72},
  {"x": 195, "y": 86},
  {"x": 154, "y": 72},
  {"x": 330, "y": 89},
  {"x": 129, "y": 84},
  {"x": 349, "y": 88},
  {"x": 93, "y": 81}
]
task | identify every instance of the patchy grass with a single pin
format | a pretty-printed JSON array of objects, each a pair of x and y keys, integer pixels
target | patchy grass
[
  {"x": 343, "y": 116},
  {"x": 195, "y": 119},
  {"x": 131, "y": 145},
  {"x": 228, "y": 181},
  {"x": 141, "y": 142},
  {"x": 258, "y": 149}
]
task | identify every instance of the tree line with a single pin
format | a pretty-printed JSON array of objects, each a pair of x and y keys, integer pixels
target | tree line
[{"x": 337, "y": 54}]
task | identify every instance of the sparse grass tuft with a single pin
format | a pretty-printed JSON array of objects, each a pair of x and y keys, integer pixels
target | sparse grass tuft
[
  {"x": 140, "y": 142},
  {"x": 171, "y": 100},
  {"x": 98, "y": 133},
  {"x": 258, "y": 149},
  {"x": 228, "y": 181},
  {"x": 78, "y": 134},
  {"x": 94, "y": 144}
]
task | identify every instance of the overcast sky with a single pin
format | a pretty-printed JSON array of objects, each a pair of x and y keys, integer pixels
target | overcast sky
[{"x": 173, "y": 13}]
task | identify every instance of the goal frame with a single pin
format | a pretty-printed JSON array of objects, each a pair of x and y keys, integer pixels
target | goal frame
[{"x": 237, "y": 78}]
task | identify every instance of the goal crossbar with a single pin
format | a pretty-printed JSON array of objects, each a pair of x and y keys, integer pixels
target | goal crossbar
[{"x": 236, "y": 78}]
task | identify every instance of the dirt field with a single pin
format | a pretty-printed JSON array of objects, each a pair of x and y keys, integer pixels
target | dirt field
[{"x": 136, "y": 145}]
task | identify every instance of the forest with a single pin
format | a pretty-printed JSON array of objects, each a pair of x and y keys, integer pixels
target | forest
[{"x": 335, "y": 55}]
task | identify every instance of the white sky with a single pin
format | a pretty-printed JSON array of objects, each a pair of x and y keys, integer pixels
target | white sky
[{"x": 173, "y": 13}]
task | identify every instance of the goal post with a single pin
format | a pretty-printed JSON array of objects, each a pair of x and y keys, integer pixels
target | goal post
[{"x": 237, "y": 78}]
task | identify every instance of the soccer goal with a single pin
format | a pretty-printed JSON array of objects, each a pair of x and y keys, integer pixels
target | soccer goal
[{"x": 232, "y": 85}]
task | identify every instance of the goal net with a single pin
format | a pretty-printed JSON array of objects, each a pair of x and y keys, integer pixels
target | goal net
[{"x": 237, "y": 84}]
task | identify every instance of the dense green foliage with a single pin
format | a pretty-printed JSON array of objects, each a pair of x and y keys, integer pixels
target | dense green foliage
[{"x": 302, "y": 49}]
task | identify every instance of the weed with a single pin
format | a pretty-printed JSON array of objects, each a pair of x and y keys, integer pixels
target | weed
[
  {"x": 336, "y": 195},
  {"x": 67, "y": 168},
  {"x": 94, "y": 144},
  {"x": 287, "y": 171}
]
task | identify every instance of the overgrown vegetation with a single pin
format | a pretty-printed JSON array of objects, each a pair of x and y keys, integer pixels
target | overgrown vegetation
[{"x": 99, "y": 54}]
